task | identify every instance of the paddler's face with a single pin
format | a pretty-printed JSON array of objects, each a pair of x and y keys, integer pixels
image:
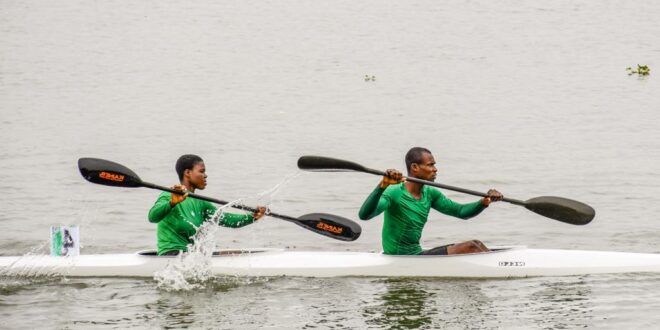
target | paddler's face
[
  {"x": 425, "y": 169},
  {"x": 197, "y": 176}
]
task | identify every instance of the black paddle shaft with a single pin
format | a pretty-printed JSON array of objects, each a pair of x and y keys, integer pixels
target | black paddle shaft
[
  {"x": 558, "y": 208},
  {"x": 218, "y": 201},
  {"x": 325, "y": 164},
  {"x": 321, "y": 223},
  {"x": 448, "y": 187},
  {"x": 105, "y": 172}
]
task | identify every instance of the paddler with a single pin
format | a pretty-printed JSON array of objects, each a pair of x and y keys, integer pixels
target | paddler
[
  {"x": 407, "y": 205},
  {"x": 178, "y": 217}
]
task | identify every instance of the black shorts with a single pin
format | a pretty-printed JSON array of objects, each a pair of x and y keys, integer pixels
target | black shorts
[
  {"x": 171, "y": 253},
  {"x": 436, "y": 251}
]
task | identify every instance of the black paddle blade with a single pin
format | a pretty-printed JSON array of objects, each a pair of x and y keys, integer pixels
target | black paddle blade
[
  {"x": 108, "y": 173},
  {"x": 330, "y": 225},
  {"x": 327, "y": 164},
  {"x": 561, "y": 209}
]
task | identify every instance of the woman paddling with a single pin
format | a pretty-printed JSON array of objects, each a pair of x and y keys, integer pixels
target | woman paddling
[{"x": 179, "y": 217}]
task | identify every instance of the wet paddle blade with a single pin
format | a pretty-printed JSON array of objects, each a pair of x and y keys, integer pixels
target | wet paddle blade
[
  {"x": 327, "y": 164},
  {"x": 330, "y": 225},
  {"x": 105, "y": 172},
  {"x": 561, "y": 209}
]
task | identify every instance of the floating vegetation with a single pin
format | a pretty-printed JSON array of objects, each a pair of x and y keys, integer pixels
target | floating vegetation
[
  {"x": 369, "y": 78},
  {"x": 642, "y": 70}
]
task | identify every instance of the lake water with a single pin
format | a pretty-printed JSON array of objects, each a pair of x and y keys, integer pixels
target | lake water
[{"x": 531, "y": 98}]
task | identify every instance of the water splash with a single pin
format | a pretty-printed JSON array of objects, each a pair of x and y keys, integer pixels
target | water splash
[
  {"x": 191, "y": 270},
  {"x": 265, "y": 197}
]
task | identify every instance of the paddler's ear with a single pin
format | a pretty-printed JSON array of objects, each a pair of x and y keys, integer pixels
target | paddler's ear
[{"x": 414, "y": 167}]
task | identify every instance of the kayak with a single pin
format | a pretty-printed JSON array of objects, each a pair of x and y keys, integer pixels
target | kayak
[{"x": 502, "y": 262}]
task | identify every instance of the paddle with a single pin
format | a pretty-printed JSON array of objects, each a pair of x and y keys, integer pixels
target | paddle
[
  {"x": 112, "y": 174},
  {"x": 558, "y": 208}
]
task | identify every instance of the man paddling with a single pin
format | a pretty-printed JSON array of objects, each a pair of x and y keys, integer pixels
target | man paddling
[
  {"x": 178, "y": 217},
  {"x": 407, "y": 205}
]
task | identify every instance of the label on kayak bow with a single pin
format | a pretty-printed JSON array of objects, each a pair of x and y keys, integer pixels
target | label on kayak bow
[{"x": 64, "y": 241}]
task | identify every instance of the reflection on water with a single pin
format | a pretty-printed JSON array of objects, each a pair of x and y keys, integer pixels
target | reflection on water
[
  {"x": 403, "y": 305},
  {"x": 426, "y": 304},
  {"x": 337, "y": 303},
  {"x": 477, "y": 304},
  {"x": 173, "y": 312}
]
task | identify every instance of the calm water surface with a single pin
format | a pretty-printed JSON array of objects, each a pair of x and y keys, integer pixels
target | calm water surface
[{"x": 531, "y": 98}]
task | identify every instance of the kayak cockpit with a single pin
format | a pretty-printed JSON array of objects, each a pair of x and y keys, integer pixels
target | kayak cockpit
[
  {"x": 237, "y": 252},
  {"x": 219, "y": 253}
]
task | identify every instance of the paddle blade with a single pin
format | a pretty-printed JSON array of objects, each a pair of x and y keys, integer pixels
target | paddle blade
[
  {"x": 327, "y": 164},
  {"x": 105, "y": 172},
  {"x": 561, "y": 209},
  {"x": 330, "y": 225}
]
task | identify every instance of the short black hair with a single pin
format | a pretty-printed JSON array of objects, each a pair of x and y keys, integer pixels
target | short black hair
[
  {"x": 186, "y": 162},
  {"x": 414, "y": 155}
]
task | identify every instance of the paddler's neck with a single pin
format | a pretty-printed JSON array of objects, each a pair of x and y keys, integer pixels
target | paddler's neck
[
  {"x": 415, "y": 189},
  {"x": 188, "y": 185}
]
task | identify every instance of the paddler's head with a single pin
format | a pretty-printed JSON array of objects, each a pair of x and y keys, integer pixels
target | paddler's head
[
  {"x": 421, "y": 164},
  {"x": 192, "y": 172}
]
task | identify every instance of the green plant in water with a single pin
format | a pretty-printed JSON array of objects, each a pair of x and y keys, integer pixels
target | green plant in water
[{"x": 642, "y": 70}]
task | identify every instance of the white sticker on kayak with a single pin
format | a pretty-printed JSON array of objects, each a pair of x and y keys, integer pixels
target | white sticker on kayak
[{"x": 64, "y": 241}]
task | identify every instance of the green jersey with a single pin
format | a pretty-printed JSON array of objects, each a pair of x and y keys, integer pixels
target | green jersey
[
  {"x": 177, "y": 225},
  {"x": 406, "y": 216}
]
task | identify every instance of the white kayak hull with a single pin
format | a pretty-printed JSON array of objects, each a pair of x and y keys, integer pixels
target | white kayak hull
[{"x": 506, "y": 262}]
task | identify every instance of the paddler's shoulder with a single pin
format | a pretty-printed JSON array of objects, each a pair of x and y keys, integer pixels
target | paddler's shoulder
[
  {"x": 431, "y": 191},
  {"x": 395, "y": 190},
  {"x": 164, "y": 194}
]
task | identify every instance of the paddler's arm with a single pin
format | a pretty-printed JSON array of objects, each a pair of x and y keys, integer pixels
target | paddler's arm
[
  {"x": 376, "y": 203},
  {"x": 237, "y": 220},
  {"x": 464, "y": 211},
  {"x": 165, "y": 203}
]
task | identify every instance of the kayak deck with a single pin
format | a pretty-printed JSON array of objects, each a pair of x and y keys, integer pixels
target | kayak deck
[{"x": 503, "y": 262}]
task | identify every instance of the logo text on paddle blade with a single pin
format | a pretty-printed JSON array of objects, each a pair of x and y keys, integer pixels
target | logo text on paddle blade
[
  {"x": 330, "y": 228},
  {"x": 111, "y": 176}
]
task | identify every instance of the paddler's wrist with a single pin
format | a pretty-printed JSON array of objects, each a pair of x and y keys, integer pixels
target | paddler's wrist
[{"x": 250, "y": 218}]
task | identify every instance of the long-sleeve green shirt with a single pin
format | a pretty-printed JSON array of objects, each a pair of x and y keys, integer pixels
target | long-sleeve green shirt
[
  {"x": 177, "y": 225},
  {"x": 406, "y": 216}
]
